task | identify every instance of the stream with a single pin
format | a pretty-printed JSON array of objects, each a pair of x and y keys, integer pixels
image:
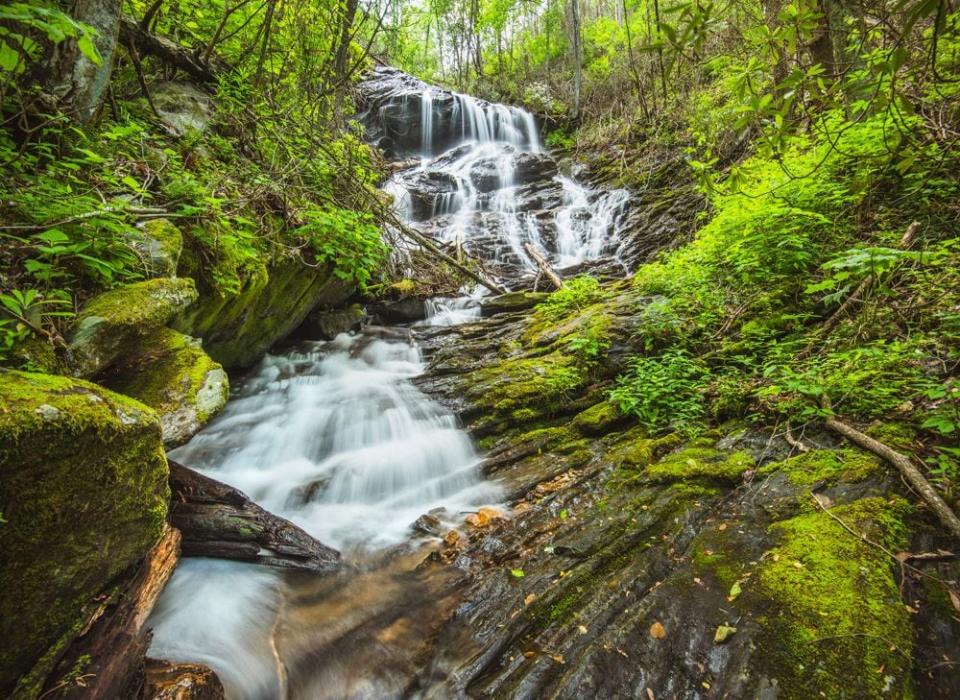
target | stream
[{"x": 335, "y": 436}]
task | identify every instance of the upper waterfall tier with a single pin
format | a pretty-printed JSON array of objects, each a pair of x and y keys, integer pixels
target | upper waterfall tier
[{"x": 406, "y": 117}]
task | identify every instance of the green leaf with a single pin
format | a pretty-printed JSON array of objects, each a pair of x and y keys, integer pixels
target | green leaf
[
  {"x": 87, "y": 48},
  {"x": 517, "y": 573}
]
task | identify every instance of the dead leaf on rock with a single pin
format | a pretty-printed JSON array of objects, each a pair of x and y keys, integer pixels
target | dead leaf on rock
[
  {"x": 530, "y": 598},
  {"x": 451, "y": 538},
  {"x": 657, "y": 631}
]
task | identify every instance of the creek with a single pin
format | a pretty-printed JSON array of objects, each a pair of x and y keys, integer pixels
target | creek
[{"x": 336, "y": 437}]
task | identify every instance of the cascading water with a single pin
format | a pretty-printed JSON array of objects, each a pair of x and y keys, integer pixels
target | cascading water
[
  {"x": 337, "y": 439},
  {"x": 493, "y": 189}
]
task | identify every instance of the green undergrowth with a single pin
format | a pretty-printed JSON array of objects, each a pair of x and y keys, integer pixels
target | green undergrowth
[
  {"x": 734, "y": 324},
  {"x": 74, "y": 199}
]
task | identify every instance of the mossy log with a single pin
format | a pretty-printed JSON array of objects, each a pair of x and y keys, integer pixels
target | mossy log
[{"x": 219, "y": 521}]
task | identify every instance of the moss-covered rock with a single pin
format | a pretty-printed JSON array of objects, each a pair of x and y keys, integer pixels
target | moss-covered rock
[
  {"x": 83, "y": 496},
  {"x": 115, "y": 319},
  {"x": 514, "y": 301},
  {"x": 237, "y": 329},
  {"x": 539, "y": 386},
  {"x": 846, "y": 465},
  {"x": 700, "y": 462},
  {"x": 599, "y": 419},
  {"x": 169, "y": 372},
  {"x": 839, "y": 628},
  {"x": 159, "y": 244}
]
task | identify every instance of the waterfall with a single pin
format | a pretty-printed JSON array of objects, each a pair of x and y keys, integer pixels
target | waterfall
[
  {"x": 483, "y": 182},
  {"x": 337, "y": 440},
  {"x": 426, "y": 121},
  {"x": 334, "y": 436}
]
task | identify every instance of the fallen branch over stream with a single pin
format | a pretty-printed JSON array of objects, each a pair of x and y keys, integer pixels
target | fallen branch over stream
[
  {"x": 544, "y": 266},
  {"x": 425, "y": 242}
]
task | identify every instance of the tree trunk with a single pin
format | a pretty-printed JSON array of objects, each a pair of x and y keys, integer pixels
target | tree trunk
[
  {"x": 577, "y": 57},
  {"x": 343, "y": 47}
]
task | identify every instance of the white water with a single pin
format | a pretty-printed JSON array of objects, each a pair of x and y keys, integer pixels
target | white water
[
  {"x": 338, "y": 440},
  {"x": 492, "y": 138}
]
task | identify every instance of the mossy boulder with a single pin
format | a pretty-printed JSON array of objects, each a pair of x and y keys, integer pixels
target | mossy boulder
[
  {"x": 169, "y": 372},
  {"x": 839, "y": 627},
  {"x": 83, "y": 496},
  {"x": 159, "y": 244},
  {"x": 847, "y": 466},
  {"x": 599, "y": 419},
  {"x": 701, "y": 462},
  {"x": 112, "y": 321},
  {"x": 237, "y": 329}
]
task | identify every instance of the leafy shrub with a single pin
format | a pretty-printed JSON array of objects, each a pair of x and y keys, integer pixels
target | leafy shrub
[
  {"x": 665, "y": 392},
  {"x": 347, "y": 239}
]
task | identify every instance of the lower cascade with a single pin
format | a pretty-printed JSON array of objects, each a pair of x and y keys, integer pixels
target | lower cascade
[{"x": 336, "y": 438}]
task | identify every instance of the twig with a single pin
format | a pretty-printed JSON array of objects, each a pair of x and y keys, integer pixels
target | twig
[
  {"x": 794, "y": 442},
  {"x": 917, "y": 480}
]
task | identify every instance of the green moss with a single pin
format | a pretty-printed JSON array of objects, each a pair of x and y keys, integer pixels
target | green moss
[
  {"x": 838, "y": 622},
  {"x": 111, "y": 321},
  {"x": 598, "y": 419},
  {"x": 539, "y": 384},
  {"x": 84, "y": 495},
  {"x": 846, "y": 465},
  {"x": 148, "y": 304},
  {"x": 237, "y": 328},
  {"x": 701, "y": 462},
  {"x": 36, "y": 354},
  {"x": 158, "y": 243},
  {"x": 169, "y": 372},
  {"x": 638, "y": 450},
  {"x": 896, "y": 435}
]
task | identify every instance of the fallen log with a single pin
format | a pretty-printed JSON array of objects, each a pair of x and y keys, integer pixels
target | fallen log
[
  {"x": 220, "y": 521},
  {"x": 910, "y": 472},
  {"x": 544, "y": 266},
  {"x": 168, "y": 51},
  {"x": 425, "y": 242},
  {"x": 106, "y": 660}
]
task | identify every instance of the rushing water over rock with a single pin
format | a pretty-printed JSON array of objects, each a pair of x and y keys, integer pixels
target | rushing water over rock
[
  {"x": 484, "y": 182},
  {"x": 336, "y": 438}
]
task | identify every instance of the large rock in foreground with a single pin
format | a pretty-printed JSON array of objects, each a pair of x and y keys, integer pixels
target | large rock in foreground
[
  {"x": 238, "y": 329},
  {"x": 83, "y": 495},
  {"x": 115, "y": 319}
]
